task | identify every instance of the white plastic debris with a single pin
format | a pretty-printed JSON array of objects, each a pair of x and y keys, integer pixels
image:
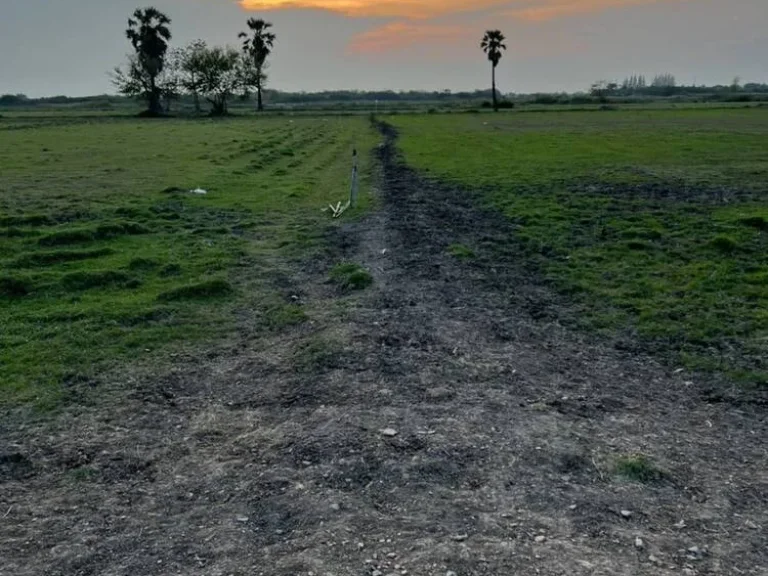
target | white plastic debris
[{"x": 199, "y": 191}]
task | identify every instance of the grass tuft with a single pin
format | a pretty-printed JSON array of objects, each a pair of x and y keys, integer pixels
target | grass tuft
[
  {"x": 351, "y": 276},
  {"x": 461, "y": 251},
  {"x": 13, "y": 287},
  {"x": 87, "y": 280},
  {"x": 209, "y": 289},
  {"x": 59, "y": 256},
  {"x": 725, "y": 244},
  {"x": 639, "y": 468},
  {"x": 65, "y": 237}
]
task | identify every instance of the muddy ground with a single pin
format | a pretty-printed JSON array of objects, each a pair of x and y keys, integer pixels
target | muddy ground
[{"x": 441, "y": 422}]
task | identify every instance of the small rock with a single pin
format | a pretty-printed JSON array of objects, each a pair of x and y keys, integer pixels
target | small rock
[
  {"x": 539, "y": 539},
  {"x": 750, "y": 524},
  {"x": 695, "y": 552},
  {"x": 639, "y": 542},
  {"x": 689, "y": 571},
  {"x": 391, "y": 555},
  {"x": 653, "y": 559},
  {"x": 242, "y": 519},
  {"x": 680, "y": 524},
  {"x": 572, "y": 507},
  {"x": 626, "y": 513},
  {"x": 460, "y": 537},
  {"x": 361, "y": 545},
  {"x": 450, "y": 573},
  {"x": 377, "y": 573},
  {"x": 389, "y": 432}
]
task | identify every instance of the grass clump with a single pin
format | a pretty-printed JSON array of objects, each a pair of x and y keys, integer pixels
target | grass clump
[
  {"x": 65, "y": 237},
  {"x": 12, "y": 287},
  {"x": 283, "y": 316},
  {"x": 142, "y": 264},
  {"x": 757, "y": 222},
  {"x": 639, "y": 468},
  {"x": 461, "y": 251},
  {"x": 87, "y": 280},
  {"x": 351, "y": 276},
  {"x": 208, "y": 289},
  {"x": 725, "y": 244},
  {"x": 59, "y": 257}
]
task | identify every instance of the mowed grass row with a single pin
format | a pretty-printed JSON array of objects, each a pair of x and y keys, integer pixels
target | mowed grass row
[
  {"x": 654, "y": 222},
  {"x": 106, "y": 256}
]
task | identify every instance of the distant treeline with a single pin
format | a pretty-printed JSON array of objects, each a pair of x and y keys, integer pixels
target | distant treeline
[{"x": 600, "y": 93}]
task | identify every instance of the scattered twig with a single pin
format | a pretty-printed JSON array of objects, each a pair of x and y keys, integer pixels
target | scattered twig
[{"x": 9, "y": 511}]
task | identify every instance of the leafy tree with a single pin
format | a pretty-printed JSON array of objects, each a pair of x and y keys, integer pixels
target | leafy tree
[
  {"x": 192, "y": 64},
  {"x": 220, "y": 76},
  {"x": 149, "y": 34},
  {"x": 257, "y": 46},
  {"x": 493, "y": 45}
]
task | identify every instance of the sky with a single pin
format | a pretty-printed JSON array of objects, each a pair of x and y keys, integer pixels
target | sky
[{"x": 52, "y": 47}]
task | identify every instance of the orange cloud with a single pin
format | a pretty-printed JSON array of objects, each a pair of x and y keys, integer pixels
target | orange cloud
[
  {"x": 410, "y": 9},
  {"x": 551, "y": 9},
  {"x": 405, "y": 35},
  {"x": 533, "y": 10}
]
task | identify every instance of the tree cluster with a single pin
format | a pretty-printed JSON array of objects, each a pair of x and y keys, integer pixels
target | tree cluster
[{"x": 159, "y": 75}]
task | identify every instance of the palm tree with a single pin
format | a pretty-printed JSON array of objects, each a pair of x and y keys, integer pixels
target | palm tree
[
  {"x": 149, "y": 34},
  {"x": 493, "y": 45},
  {"x": 257, "y": 46}
]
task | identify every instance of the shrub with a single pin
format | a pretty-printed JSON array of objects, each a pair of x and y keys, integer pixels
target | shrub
[{"x": 724, "y": 244}]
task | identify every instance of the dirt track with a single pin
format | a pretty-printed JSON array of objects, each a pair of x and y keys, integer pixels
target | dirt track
[{"x": 269, "y": 457}]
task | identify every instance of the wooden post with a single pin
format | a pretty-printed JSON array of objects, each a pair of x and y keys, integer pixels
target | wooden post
[{"x": 353, "y": 191}]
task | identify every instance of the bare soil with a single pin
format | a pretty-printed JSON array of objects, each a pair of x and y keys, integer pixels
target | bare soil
[{"x": 442, "y": 421}]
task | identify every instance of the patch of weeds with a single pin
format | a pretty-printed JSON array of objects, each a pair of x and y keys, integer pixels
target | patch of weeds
[
  {"x": 639, "y": 468},
  {"x": 99, "y": 279},
  {"x": 209, "y": 289},
  {"x": 142, "y": 265},
  {"x": 725, "y": 244},
  {"x": 59, "y": 256},
  {"x": 318, "y": 354},
  {"x": 83, "y": 474},
  {"x": 169, "y": 270},
  {"x": 115, "y": 229},
  {"x": 65, "y": 237},
  {"x": 279, "y": 317},
  {"x": 17, "y": 233},
  {"x": 351, "y": 276},
  {"x": 757, "y": 222},
  {"x": 461, "y": 251},
  {"x": 13, "y": 287},
  {"x": 29, "y": 220}
]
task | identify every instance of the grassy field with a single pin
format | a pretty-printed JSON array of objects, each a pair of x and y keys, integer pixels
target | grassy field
[
  {"x": 105, "y": 255},
  {"x": 653, "y": 222}
]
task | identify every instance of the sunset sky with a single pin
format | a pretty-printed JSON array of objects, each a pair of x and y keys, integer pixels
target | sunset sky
[{"x": 68, "y": 47}]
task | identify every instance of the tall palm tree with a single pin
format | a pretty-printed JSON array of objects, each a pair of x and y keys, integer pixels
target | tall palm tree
[
  {"x": 257, "y": 46},
  {"x": 493, "y": 45},
  {"x": 149, "y": 33}
]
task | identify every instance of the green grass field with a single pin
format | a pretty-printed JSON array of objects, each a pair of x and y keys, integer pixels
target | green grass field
[
  {"x": 653, "y": 222},
  {"x": 105, "y": 256}
]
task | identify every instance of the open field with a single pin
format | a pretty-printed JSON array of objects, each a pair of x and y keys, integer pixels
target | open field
[
  {"x": 106, "y": 256},
  {"x": 654, "y": 222},
  {"x": 477, "y": 373}
]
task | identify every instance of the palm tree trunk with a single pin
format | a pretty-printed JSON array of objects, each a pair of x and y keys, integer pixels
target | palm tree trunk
[
  {"x": 493, "y": 87},
  {"x": 260, "y": 104}
]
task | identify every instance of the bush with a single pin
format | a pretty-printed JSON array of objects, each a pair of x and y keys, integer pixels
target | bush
[{"x": 725, "y": 244}]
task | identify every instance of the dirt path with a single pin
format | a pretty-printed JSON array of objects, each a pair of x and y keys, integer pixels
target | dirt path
[{"x": 440, "y": 422}]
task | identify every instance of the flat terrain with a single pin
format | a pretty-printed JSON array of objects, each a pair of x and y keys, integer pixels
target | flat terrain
[
  {"x": 653, "y": 222},
  {"x": 417, "y": 389}
]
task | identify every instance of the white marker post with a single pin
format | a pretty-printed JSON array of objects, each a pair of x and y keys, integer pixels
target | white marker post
[{"x": 353, "y": 191}]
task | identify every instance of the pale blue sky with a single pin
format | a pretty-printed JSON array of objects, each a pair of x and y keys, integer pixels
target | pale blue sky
[{"x": 50, "y": 47}]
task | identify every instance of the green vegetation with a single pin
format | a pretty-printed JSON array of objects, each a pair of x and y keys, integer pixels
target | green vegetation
[
  {"x": 653, "y": 222},
  {"x": 351, "y": 276},
  {"x": 105, "y": 256},
  {"x": 639, "y": 468},
  {"x": 461, "y": 252}
]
